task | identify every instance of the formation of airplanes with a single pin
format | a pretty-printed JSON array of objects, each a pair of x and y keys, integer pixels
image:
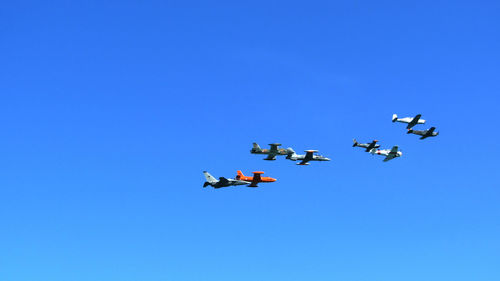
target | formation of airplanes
[
  {"x": 275, "y": 150},
  {"x": 372, "y": 148},
  {"x": 412, "y": 121},
  {"x": 311, "y": 155}
]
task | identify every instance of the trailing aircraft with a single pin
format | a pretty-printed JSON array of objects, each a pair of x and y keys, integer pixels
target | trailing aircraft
[
  {"x": 424, "y": 133},
  {"x": 222, "y": 182},
  {"x": 367, "y": 146},
  {"x": 309, "y": 156},
  {"x": 412, "y": 121},
  {"x": 271, "y": 153},
  {"x": 388, "y": 153},
  {"x": 255, "y": 179}
]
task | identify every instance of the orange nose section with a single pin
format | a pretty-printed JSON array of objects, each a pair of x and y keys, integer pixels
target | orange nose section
[{"x": 271, "y": 179}]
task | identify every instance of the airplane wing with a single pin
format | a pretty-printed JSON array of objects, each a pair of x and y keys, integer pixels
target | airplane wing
[
  {"x": 238, "y": 182},
  {"x": 392, "y": 154},
  {"x": 223, "y": 181},
  {"x": 274, "y": 147},
  {"x": 427, "y": 133},
  {"x": 370, "y": 146},
  {"x": 303, "y": 162},
  {"x": 256, "y": 179},
  {"x": 270, "y": 156},
  {"x": 415, "y": 120},
  {"x": 308, "y": 157},
  {"x": 389, "y": 157}
]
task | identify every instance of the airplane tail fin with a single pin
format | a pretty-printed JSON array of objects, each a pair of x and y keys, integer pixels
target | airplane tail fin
[
  {"x": 290, "y": 152},
  {"x": 210, "y": 178},
  {"x": 239, "y": 175},
  {"x": 394, "y": 117},
  {"x": 355, "y": 142},
  {"x": 256, "y": 147},
  {"x": 409, "y": 131}
]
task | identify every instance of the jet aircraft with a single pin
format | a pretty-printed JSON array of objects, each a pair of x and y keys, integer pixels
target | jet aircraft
[
  {"x": 367, "y": 146},
  {"x": 255, "y": 179},
  {"x": 412, "y": 121},
  {"x": 388, "y": 153},
  {"x": 424, "y": 133},
  {"x": 309, "y": 156},
  {"x": 271, "y": 153},
  {"x": 222, "y": 182}
]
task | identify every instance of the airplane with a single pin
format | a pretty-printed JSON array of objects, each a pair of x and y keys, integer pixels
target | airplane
[
  {"x": 424, "y": 133},
  {"x": 253, "y": 181},
  {"x": 412, "y": 121},
  {"x": 309, "y": 156},
  {"x": 271, "y": 153},
  {"x": 368, "y": 146},
  {"x": 222, "y": 182},
  {"x": 388, "y": 153}
]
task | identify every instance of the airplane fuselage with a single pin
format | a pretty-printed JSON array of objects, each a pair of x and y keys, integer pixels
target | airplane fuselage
[
  {"x": 385, "y": 152},
  {"x": 280, "y": 151},
  {"x": 250, "y": 179},
  {"x": 411, "y": 121},
  {"x": 368, "y": 146},
  {"x": 424, "y": 133},
  {"x": 230, "y": 182},
  {"x": 314, "y": 158}
]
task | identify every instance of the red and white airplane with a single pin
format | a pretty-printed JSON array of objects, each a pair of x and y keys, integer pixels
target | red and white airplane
[{"x": 388, "y": 153}]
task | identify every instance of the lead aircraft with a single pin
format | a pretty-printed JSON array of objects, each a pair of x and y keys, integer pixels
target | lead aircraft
[{"x": 412, "y": 121}]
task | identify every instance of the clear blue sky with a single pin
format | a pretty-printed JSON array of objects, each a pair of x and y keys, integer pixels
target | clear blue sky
[{"x": 110, "y": 111}]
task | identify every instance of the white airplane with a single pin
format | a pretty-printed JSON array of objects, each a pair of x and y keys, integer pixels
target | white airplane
[
  {"x": 388, "y": 153},
  {"x": 412, "y": 121},
  {"x": 309, "y": 156}
]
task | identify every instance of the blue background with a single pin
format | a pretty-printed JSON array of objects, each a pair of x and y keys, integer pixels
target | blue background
[{"x": 110, "y": 111}]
